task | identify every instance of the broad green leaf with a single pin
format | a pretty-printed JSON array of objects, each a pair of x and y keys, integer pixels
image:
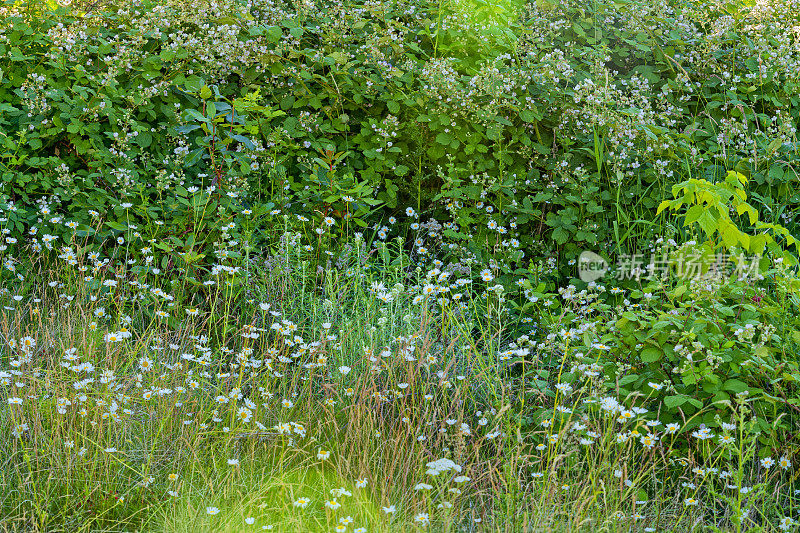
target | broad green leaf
[
  {"x": 650, "y": 354},
  {"x": 673, "y": 402}
]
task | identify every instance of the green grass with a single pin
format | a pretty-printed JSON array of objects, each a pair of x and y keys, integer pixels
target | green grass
[{"x": 380, "y": 382}]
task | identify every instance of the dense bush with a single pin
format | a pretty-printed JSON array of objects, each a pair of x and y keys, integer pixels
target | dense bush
[
  {"x": 698, "y": 353},
  {"x": 540, "y": 127}
]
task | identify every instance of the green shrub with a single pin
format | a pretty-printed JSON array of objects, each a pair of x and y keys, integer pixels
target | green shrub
[{"x": 539, "y": 127}]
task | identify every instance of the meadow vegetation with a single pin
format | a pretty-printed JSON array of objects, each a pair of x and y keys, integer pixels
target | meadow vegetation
[{"x": 314, "y": 266}]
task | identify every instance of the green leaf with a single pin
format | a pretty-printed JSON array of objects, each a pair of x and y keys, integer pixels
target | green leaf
[
  {"x": 528, "y": 116},
  {"x": 144, "y": 139},
  {"x": 443, "y": 138},
  {"x": 708, "y": 222},
  {"x": 693, "y": 214},
  {"x": 194, "y": 156},
  {"x": 195, "y": 114},
  {"x": 673, "y": 402},
  {"x": 650, "y": 355},
  {"x": 116, "y": 226},
  {"x": 273, "y": 33},
  {"x": 735, "y": 385},
  {"x": 560, "y": 235},
  {"x": 695, "y": 402}
]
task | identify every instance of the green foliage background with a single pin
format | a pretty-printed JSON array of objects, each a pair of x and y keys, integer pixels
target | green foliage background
[
  {"x": 534, "y": 129},
  {"x": 571, "y": 120}
]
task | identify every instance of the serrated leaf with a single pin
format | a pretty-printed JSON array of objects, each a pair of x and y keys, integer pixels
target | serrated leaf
[
  {"x": 651, "y": 354},
  {"x": 673, "y": 402},
  {"x": 734, "y": 385},
  {"x": 708, "y": 222},
  {"x": 443, "y": 138},
  {"x": 560, "y": 235}
]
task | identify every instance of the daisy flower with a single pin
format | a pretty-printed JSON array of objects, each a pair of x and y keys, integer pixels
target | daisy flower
[{"x": 301, "y": 502}]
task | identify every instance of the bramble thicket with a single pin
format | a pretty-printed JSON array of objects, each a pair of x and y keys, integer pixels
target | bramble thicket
[{"x": 314, "y": 265}]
